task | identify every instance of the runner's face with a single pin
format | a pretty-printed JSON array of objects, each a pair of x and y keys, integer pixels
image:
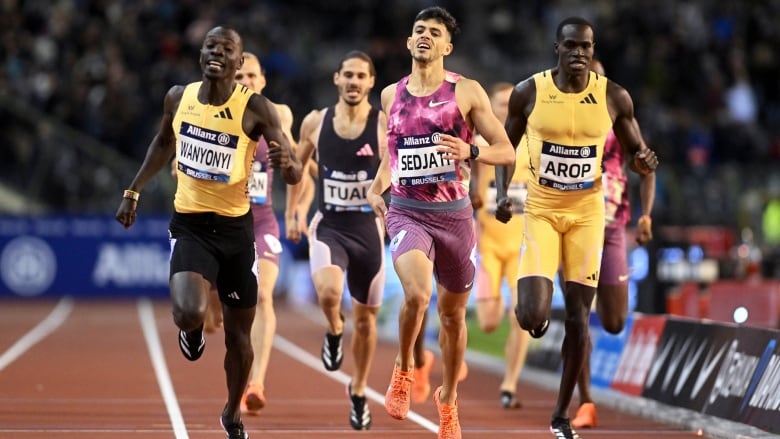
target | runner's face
[
  {"x": 354, "y": 81},
  {"x": 251, "y": 75},
  {"x": 430, "y": 40},
  {"x": 575, "y": 49},
  {"x": 499, "y": 102},
  {"x": 220, "y": 55}
]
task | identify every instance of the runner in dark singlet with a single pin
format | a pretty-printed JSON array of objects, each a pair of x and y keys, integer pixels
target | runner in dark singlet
[{"x": 345, "y": 235}]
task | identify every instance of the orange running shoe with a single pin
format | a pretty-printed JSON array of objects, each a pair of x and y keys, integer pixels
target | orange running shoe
[
  {"x": 586, "y": 416},
  {"x": 464, "y": 371},
  {"x": 398, "y": 394},
  {"x": 449, "y": 425},
  {"x": 253, "y": 400},
  {"x": 422, "y": 379}
]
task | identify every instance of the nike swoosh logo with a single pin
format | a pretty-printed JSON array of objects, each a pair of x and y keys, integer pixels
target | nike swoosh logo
[
  {"x": 622, "y": 278},
  {"x": 432, "y": 104},
  {"x": 468, "y": 285}
]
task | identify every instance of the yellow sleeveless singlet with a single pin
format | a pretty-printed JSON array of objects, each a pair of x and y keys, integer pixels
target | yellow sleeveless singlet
[
  {"x": 499, "y": 243},
  {"x": 517, "y": 192},
  {"x": 566, "y": 134},
  {"x": 564, "y": 215},
  {"x": 214, "y": 154}
]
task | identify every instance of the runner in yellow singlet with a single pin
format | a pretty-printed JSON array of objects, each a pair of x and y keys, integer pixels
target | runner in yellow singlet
[
  {"x": 566, "y": 113},
  {"x": 498, "y": 247},
  {"x": 212, "y": 127}
]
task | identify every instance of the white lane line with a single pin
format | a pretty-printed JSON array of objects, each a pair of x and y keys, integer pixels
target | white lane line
[
  {"x": 315, "y": 363},
  {"x": 149, "y": 326},
  {"x": 48, "y": 325}
]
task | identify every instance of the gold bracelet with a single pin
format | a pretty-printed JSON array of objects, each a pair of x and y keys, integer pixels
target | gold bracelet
[
  {"x": 132, "y": 195},
  {"x": 644, "y": 219}
]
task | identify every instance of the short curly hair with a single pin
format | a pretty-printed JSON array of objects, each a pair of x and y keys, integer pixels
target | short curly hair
[
  {"x": 442, "y": 16},
  {"x": 577, "y": 21}
]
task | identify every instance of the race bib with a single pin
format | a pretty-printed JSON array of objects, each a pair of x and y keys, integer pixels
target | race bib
[
  {"x": 205, "y": 154},
  {"x": 258, "y": 184},
  {"x": 346, "y": 192},
  {"x": 419, "y": 162},
  {"x": 567, "y": 168}
]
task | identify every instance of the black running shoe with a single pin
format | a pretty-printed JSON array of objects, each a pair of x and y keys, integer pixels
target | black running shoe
[
  {"x": 331, "y": 351},
  {"x": 541, "y": 330},
  {"x": 508, "y": 400},
  {"x": 359, "y": 416},
  {"x": 233, "y": 431},
  {"x": 561, "y": 428},
  {"x": 192, "y": 344}
]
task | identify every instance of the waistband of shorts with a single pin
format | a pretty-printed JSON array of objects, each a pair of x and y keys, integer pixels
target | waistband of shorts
[
  {"x": 348, "y": 215},
  {"x": 210, "y": 217},
  {"x": 430, "y": 206}
]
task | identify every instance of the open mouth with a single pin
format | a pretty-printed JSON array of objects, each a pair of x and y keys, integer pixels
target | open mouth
[{"x": 215, "y": 65}]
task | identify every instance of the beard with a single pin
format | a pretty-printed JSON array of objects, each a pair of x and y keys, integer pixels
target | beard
[
  {"x": 352, "y": 102},
  {"x": 422, "y": 58}
]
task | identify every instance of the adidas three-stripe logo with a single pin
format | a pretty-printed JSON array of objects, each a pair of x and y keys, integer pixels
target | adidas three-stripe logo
[
  {"x": 185, "y": 345},
  {"x": 361, "y": 416},
  {"x": 365, "y": 151},
  {"x": 563, "y": 435},
  {"x": 589, "y": 99},
  {"x": 224, "y": 114}
]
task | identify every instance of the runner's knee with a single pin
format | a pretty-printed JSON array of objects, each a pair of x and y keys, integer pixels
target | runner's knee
[
  {"x": 613, "y": 323},
  {"x": 188, "y": 319},
  {"x": 533, "y": 301}
]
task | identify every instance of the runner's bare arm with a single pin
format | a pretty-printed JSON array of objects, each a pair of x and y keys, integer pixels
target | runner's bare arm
[
  {"x": 626, "y": 127},
  {"x": 294, "y": 225},
  {"x": 266, "y": 122},
  {"x": 160, "y": 151},
  {"x": 521, "y": 103}
]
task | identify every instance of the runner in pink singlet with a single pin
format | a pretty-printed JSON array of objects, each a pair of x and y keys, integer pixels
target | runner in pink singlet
[
  {"x": 612, "y": 290},
  {"x": 432, "y": 114}
]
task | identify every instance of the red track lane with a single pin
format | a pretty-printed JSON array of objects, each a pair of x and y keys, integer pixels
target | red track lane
[{"x": 94, "y": 376}]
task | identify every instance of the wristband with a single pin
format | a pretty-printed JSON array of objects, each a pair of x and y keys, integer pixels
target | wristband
[
  {"x": 474, "y": 152},
  {"x": 132, "y": 195},
  {"x": 645, "y": 219}
]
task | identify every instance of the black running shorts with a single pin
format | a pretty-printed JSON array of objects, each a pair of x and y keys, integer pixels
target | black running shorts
[
  {"x": 220, "y": 248},
  {"x": 354, "y": 242}
]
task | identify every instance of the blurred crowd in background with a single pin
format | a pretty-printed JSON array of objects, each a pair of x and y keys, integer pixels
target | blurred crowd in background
[{"x": 704, "y": 75}]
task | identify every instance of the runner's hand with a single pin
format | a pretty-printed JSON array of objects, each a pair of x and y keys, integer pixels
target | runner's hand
[
  {"x": 452, "y": 148},
  {"x": 504, "y": 209},
  {"x": 378, "y": 205},
  {"x": 292, "y": 227},
  {"x": 644, "y": 230},
  {"x": 645, "y": 161},
  {"x": 278, "y": 155},
  {"x": 126, "y": 212},
  {"x": 300, "y": 216},
  {"x": 476, "y": 201}
]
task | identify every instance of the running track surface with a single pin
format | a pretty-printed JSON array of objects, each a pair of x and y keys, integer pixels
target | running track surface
[{"x": 112, "y": 369}]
